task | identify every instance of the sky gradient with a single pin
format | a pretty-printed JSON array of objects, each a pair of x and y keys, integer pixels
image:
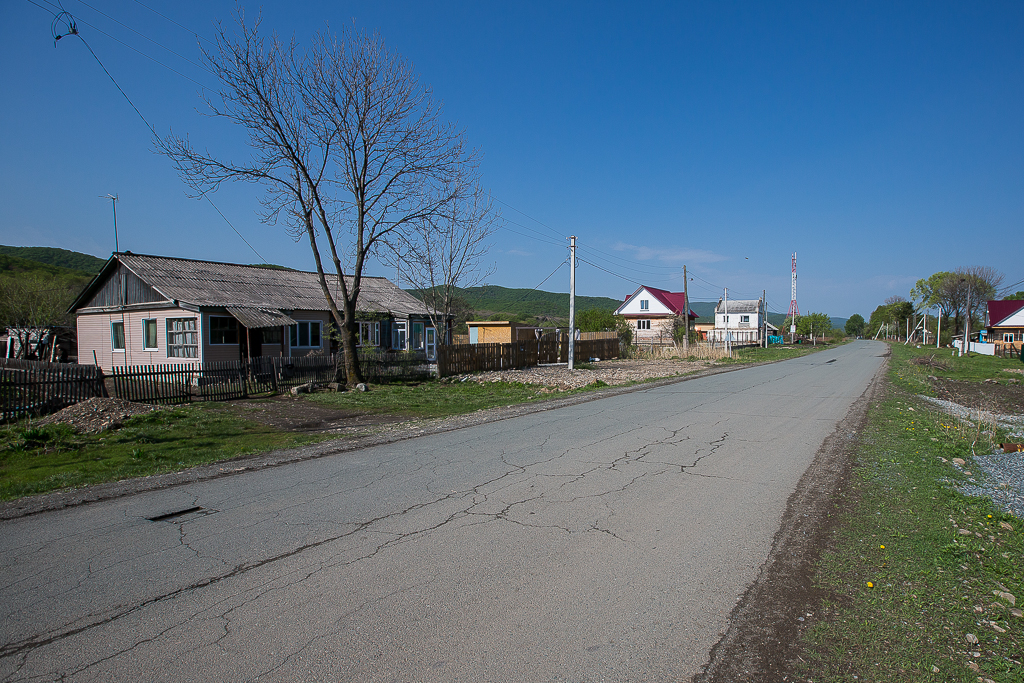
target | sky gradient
[{"x": 880, "y": 142}]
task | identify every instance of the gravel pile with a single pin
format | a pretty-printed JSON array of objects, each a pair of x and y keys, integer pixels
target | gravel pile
[
  {"x": 1004, "y": 472},
  {"x": 612, "y": 372},
  {"x": 96, "y": 414}
]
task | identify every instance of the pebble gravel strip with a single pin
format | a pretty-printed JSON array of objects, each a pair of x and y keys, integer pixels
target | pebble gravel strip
[{"x": 1003, "y": 482}]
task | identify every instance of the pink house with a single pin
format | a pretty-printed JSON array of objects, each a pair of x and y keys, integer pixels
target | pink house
[{"x": 155, "y": 310}]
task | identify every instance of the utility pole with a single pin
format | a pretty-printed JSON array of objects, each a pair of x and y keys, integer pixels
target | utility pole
[
  {"x": 686, "y": 314},
  {"x": 113, "y": 205},
  {"x": 965, "y": 350},
  {"x": 572, "y": 300},
  {"x": 728, "y": 349},
  {"x": 764, "y": 323},
  {"x": 794, "y": 310},
  {"x": 938, "y": 329}
]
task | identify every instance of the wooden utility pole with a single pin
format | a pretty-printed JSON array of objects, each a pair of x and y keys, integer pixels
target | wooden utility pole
[
  {"x": 572, "y": 300},
  {"x": 686, "y": 314}
]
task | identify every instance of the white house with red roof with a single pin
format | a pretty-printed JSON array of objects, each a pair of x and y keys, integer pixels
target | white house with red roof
[
  {"x": 651, "y": 313},
  {"x": 1006, "y": 323}
]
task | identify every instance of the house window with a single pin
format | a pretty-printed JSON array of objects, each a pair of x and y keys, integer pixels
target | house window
[
  {"x": 643, "y": 324},
  {"x": 416, "y": 339},
  {"x": 117, "y": 336},
  {"x": 1008, "y": 336},
  {"x": 369, "y": 334},
  {"x": 182, "y": 338},
  {"x": 744, "y": 318},
  {"x": 149, "y": 341},
  {"x": 398, "y": 332},
  {"x": 271, "y": 335},
  {"x": 645, "y": 304},
  {"x": 305, "y": 334},
  {"x": 223, "y": 330}
]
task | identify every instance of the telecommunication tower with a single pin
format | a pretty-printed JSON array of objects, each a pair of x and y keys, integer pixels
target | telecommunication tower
[{"x": 794, "y": 310}]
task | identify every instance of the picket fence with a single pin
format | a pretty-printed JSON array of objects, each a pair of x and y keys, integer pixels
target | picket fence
[{"x": 33, "y": 388}]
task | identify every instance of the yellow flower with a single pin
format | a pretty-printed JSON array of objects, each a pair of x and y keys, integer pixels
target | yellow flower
[
  {"x": 882, "y": 547},
  {"x": 870, "y": 585}
]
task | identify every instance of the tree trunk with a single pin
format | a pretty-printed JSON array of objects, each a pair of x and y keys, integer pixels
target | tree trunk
[{"x": 347, "y": 331}]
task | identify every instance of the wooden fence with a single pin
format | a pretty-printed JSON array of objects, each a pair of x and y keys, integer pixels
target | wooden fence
[
  {"x": 164, "y": 384},
  {"x": 31, "y": 388},
  {"x": 463, "y": 358}
]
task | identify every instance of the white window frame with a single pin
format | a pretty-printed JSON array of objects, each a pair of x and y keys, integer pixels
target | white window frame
[
  {"x": 113, "y": 337},
  {"x": 744, "y": 318},
  {"x": 156, "y": 334},
  {"x": 370, "y": 331},
  {"x": 172, "y": 348},
  {"x": 399, "y": 335},
  {"x": 1008, "y": 337},
  {"x": 295, "y": 334},
  {"x": 643, "y": 324},
  {"x": 645, "y": 304}
]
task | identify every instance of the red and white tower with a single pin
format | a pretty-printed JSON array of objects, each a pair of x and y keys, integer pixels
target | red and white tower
[{"x": 794, "y": 310}]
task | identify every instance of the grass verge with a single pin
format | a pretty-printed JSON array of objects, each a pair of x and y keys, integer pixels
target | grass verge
[
  {"x": 39, "y": 459},
  {"x": 923, "y": 581}
]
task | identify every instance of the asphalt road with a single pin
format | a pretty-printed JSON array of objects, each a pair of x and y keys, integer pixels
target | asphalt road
[{"x": 605, "y": 541}]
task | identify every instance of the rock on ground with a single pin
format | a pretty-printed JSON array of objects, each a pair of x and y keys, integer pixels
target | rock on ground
[{"x": 96, "y": 414}]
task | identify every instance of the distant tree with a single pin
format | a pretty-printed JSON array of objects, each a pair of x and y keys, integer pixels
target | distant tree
[
  {"x": 855, "y": 325},
  {"x": 595, "y": 320},
  {"x": 814, "y": 323},
  {"x": 349, "y": 146},
  {"x": 30, "y": 302},
  {"x": 624, "y": 330},
  {"x": 1014, "y": 297}
]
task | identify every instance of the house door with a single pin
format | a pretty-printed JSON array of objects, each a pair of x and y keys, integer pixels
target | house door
[{"x": 431, "y": 343}]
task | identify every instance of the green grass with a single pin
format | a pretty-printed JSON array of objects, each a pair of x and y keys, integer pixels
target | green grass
[
  {"x": 931, "y": 586},
  {"x": 39, "y": 459},
  {"x": 973, "y": 368},
  {"x": 439, "y": 399}
]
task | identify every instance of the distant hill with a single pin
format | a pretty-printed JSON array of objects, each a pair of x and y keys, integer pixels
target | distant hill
[
  {"x": 62, "y": 258},
  {"x": 13, "y": 265},
  {"x": 526, "y": 304}
]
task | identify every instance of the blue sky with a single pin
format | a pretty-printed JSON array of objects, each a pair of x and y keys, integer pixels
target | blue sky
[{"x": 882, "y": 142}]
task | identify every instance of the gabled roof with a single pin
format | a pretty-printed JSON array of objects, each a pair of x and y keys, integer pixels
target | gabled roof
[
  {"x": 999, "y": 311},
  {"x": 673, "y": 301},
  {"x": 739, "y": 306},
  {"x": 213, "y": 284}
]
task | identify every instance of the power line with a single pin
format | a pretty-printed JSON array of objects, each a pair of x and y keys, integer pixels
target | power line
[{"x": 186, "y": 28}]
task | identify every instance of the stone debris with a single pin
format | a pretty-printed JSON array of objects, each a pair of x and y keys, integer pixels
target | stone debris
[{"x": 96, "y": 414}]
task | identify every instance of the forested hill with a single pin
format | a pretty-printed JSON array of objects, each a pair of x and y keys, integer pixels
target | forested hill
[
  {"x": 15, "y": 266},
  {"x": 61, "y": 258},
  {"x": 521, "y": 304}
]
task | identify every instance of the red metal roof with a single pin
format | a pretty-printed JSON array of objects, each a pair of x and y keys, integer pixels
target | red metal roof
[
  {"x": 674, "y": 301},
  {"x": 998, "y": 311}
]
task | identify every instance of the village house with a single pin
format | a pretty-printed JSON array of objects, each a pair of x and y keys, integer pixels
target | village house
[
  {"x": 1005, "y": 323},
  {"x": 154, "y": 310},
  {"x": 740, "y": 321},
  {"x": 651, "y": 314}
]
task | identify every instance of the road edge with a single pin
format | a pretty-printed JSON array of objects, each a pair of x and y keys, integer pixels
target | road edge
[{"x": 762, "y": 639}]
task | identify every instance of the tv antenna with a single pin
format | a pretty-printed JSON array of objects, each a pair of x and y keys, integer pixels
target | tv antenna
[{"x": 113, "y": 205}]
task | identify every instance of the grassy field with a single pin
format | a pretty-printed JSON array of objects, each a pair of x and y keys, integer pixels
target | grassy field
[
  {"x": 923, "y": 582},
  {"x": 40, "y": 459}
]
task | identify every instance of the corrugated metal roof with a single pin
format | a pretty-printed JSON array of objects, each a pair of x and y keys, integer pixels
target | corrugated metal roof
[
  {"x": 739, "y": 306},
  {"x": 207, "y": 283},
  {"x": 255, "y": 318}
]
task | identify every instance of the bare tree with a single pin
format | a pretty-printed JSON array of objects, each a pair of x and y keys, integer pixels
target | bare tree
[
  {"x": 348, "y": 145},
  {"x": 445, "y": 251}
]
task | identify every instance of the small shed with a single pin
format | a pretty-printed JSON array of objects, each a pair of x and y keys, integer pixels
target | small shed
[{"x": 499, "y": 331}]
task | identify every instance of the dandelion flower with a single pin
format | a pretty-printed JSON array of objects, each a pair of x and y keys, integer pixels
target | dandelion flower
[
  {"x": 882, "y": 547},
  {"x": 870, "y": 585}
]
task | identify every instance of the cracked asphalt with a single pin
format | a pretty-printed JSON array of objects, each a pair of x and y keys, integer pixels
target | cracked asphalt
[{"x": 602, "y": 541}]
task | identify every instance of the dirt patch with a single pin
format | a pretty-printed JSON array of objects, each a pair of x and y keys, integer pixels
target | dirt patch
[
  {"x": 293, "y": 414},
  {"x": 611, "y": 372},
  {"x": 763, "y": 639},
  {"x": 96, "y": 414},
  {"x": 995, "y": 397}
]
